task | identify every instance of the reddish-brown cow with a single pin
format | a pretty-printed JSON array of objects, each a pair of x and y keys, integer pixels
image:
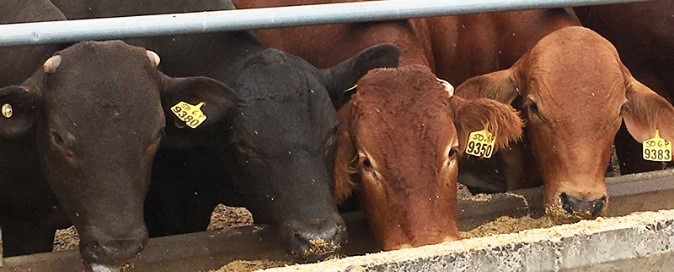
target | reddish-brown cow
[
  {"x": 644, "y": 37},
  {"x": 570, "y": 83},
  {"x": 401, "y": 134}
]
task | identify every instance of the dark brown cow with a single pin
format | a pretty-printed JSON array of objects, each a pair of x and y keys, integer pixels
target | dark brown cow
[
  {"x": 401, "y": 135},
  {"x": 574, "y": 91},
  {"x": 643, "y": 33},
  {"x": 88, "y": 123}
]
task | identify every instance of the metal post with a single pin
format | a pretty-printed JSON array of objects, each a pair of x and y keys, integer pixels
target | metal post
[{"x": 231, "y": 20}]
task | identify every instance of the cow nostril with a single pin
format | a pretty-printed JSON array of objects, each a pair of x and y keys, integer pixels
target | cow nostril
[
  {"x": 598, "y": 206},
  {"x": 565, "y": 203}
]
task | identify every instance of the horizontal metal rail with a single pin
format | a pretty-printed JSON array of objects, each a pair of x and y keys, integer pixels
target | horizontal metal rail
[{"x": 232, "y": 20}]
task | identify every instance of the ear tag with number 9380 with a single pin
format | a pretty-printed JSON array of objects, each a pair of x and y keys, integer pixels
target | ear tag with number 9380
[
  {"x": 190, "y": 114},
  {"x": 657, "y": 149},
  {"x": 481, "y": 143}
]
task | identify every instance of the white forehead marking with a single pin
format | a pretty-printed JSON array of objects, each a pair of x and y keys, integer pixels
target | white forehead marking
[{"x": 448, "y": 87}]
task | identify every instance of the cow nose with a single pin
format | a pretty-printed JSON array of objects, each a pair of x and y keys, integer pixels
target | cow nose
[
  {"x": 316, "y": 239},
  {"x": 585, "y": 208},
  {"x": 104, "y": 250}
]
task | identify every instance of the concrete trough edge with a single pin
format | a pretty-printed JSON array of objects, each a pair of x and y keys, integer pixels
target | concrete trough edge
[{"x": 559, "y": 248}]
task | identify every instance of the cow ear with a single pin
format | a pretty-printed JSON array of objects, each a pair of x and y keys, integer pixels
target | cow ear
[
  {"x": 477, "y": 114},
  {"x": 343, "y": 76},
  {"x": 645, "y": 111},
  {"x": 19, "y": 109},
  {"x": 217, "y": 98},
  {"x": 500, "y": 86},
  {"x": 344, "y": 157}
]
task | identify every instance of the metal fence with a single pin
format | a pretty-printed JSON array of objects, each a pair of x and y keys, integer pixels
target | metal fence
[{"x": 231, "y": 20}]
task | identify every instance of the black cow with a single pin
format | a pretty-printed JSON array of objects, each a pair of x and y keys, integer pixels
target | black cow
[
  {"x": 29, "y": 213},
  {"x": 88, "y": 123},
  {"x": 276, "y": 144}
]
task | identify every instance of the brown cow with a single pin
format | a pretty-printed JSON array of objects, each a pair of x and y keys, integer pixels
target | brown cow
[
  {"x": 401, "y": 135},
  {"x": 570, "y": 83},
  {"x": 644, "y": 37}
]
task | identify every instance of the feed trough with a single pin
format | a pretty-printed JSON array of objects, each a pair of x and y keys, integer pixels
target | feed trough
[{"x": 637, "y": 240}]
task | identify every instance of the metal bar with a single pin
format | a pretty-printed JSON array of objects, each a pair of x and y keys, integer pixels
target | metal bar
[{"x": 232, "y": 20}]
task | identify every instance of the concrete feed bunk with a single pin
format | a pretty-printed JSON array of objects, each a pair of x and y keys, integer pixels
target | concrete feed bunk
[{"x": 638, "y": 241}]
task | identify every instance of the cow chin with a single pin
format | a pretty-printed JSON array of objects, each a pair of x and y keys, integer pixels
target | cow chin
[{"x": 569, "y": 206}]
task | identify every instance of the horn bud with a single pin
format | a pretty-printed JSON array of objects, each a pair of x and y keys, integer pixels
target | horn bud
[
  {"x": 448, "y": 87},
  {"x": 154, "y": 58},
  {"x": 51, "y": 64}
]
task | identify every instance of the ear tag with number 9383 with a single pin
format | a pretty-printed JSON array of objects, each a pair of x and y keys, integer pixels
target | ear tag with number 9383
[
  {"x": 190, "y": 114},
  {"x": 657, "y": 149},
  {"x": 481, "y": 143}
]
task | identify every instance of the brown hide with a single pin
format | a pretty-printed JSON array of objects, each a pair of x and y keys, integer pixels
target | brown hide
[
  {"x": 644, "y": 37},
  {"x": 574, "y": 90},
  {"x": 399, "y": 142},
  {"x": 326, "y": 45}
]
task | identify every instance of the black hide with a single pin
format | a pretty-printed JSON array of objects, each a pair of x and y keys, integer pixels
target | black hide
[
  {"x": 29, "y": 213},
  {"x": 276, "y": 144}
]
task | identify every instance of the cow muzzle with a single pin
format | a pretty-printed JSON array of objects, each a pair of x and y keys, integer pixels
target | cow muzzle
[
  {"x": 103, "y": 251},
  {"x": 569, "y": 208},
  {"x": 315, "y": 239},
  {"x": 586, "y": 209}
]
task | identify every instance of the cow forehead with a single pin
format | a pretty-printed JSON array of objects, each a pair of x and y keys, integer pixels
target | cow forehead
[
  {"x": 573, "y": 77},
  {"x": 273, "y": 73},
  {"x": 101, "y": 83},
  {"x": 403, "y": 111}
]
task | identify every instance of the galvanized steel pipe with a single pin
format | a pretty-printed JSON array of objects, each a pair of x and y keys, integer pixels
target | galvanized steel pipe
[{"x": 231, "y": 20}]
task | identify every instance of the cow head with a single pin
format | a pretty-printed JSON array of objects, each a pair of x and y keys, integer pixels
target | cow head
[
  {"x": 399, "y": 142},
  {"x": 280, "y": 143},
  {"x": 575, "y": 92},
  {"x": 96, "y": 110}
]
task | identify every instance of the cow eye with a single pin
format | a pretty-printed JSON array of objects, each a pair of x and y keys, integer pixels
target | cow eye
[
  {"x": 57, "y": 138},
  {"x": 367, "y": 164},
  {"x": 532, "y": 109},
  {"x": 453, "y": 153}
]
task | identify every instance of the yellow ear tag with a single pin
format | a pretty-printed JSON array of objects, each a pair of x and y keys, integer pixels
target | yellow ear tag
[
  {"x": 7, "y": 111},
  {"x": 190, "y": 114},
  {"x": 481, "y": 144},
  {"x": 657, "y": 149}
]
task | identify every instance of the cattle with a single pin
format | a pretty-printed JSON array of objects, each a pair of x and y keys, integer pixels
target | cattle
[
  {"x": 273, "y": 151},
  {"x": 643, "y": 35},
  {"x": 29, "y": 213},
  {"x": 401, "y": 134},
  {"x": 89, "y": 122},
  {"x": 571, "y": 86}
]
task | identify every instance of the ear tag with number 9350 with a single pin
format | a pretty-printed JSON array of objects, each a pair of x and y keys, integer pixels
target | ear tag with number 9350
[
  {"x": 657, "y": 149},
  {"x": 190, "y": 114},
  {"x": 481, "y": 143}
]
